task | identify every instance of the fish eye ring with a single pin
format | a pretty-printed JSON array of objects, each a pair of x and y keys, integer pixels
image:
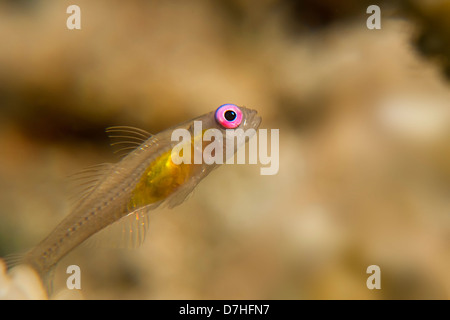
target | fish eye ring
[{"x": 228, "y": 116}]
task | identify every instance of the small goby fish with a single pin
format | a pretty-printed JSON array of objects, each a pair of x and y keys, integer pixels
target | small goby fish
[{"x": 144, "y": 179}]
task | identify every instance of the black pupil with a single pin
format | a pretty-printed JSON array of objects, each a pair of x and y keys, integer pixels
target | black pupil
[{"x": 230, "y": 115}]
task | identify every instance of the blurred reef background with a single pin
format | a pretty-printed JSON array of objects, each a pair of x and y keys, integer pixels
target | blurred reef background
[{"x": 364, "y": 119}]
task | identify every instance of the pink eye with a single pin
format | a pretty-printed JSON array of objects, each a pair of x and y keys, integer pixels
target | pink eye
[{"x": 229, "y": 116}]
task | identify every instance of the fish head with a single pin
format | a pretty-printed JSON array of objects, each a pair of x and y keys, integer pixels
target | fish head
[{"x": 236, "y": 126}]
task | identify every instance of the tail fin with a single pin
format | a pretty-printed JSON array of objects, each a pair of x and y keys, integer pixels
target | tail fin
[
  {"x": 20, "y": 281},
  {"x": 14, "y": 260}
]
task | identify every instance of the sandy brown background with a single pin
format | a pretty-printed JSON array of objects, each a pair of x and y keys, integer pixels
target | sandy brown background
[{"x": 364, "y": 119}]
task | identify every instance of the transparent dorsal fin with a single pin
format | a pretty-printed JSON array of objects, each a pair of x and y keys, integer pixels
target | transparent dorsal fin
[
  {"x": 83, "y": 182},
  {"x": 125, "y": 139},
  {"x": 128, "y": 232}
]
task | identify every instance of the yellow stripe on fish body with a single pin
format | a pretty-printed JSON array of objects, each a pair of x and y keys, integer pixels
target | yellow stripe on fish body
[
  {"x": 160, "y": 180},
  {"x": 163, "y": 177}
]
